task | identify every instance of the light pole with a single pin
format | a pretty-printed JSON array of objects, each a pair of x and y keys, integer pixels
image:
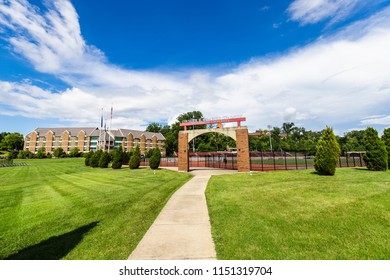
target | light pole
[{"x": 270, "y": 139}]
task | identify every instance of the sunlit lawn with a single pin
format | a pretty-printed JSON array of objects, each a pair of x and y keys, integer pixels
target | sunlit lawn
[
  {"x": 58, "y": 208},
  {"x": 300, "y": 215}
]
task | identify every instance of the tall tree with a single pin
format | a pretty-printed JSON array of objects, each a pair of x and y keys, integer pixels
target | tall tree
[
  {"x": 376, "y": 156},
  {"x": 327, "y": 153},
  {"x": 386, "y": 140},
  {"x": 12, "y": 141}
]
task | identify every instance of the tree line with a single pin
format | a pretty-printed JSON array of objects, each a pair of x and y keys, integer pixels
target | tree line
[{"x": 287, "y": 137}]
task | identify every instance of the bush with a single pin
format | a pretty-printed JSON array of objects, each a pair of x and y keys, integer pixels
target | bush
[
  {"x": 376, "y": 156},
  {"x": 95, "y": 158},
  {"x": 58, "y": 152},
  {"x": 74, "y": 152},
  {"x": 117, "y": 159},
  {"x": 154, "y": 161},
  {"x": 41, "y": 153},
  {"x": 88, "y": 157},
  {"x": 386, "y": 140},
  {"x": 104, "y": 160},
  {"x": 327, "y": 153},
  {"x": 135, "y": 159},
  {"x": 25, "y": 154}
]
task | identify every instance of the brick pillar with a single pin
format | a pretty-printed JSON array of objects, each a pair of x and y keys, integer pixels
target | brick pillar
[
  {"x": 183, "y": 164},
  {"x": 33, "y": 141},
  {"x": 243, "y": 161}
]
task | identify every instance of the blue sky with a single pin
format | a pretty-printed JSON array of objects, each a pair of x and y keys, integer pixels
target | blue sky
[{"x": 316, "y": 63}]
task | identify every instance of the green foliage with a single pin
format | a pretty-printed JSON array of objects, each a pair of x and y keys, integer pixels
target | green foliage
[
  {"x": 135, "y": 159},
  {"x": 386, "y": 140},
  {"x": 95, "y": 158},
  {"x": 154, "y": 161},
  {"x": 58, "y": 152},
  {"x": 376, "y": 156},
  {"x": 117, "y": 159},
  {"x": 41, "y": 153},
  {"x": 75, "y": 152},
  {"x": 104, "y": 159},
  {"x": 12, "y": 141},
  {"x": 88, "y": 157},
  {"x": 327, "y": 153},
  {"x": 25, "y": 154}
]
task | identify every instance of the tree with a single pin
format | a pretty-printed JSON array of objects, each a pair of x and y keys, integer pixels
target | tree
[
  {"x": 104, "y": 159},
  {"x": 41, "y": 153},
  {"x": 12, "y": 141},
  {"x": 376, "y": 156},
  {"x": 386, "y": 140},
  {"x": 327, "y": 153},
  {"x": 117, "y": 159},
  {"x": 154, "y": 127},
  {"x": 154, "y": 161},
  {"x": 75, "y": 152},
  {"x": 135, "y": 159},
  {"x": 58, "y": 152},
  {"x": 95, "y": 158},
  {"x": 88, "y": 157}
]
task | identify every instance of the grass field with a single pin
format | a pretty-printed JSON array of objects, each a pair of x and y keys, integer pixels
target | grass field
[
  {"x": 60, "y": 209},
  {"x": 300, "y": 215}
]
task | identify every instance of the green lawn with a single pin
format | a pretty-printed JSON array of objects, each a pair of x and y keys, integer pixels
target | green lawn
[
  {"x": 60, "y": 209},
  {"x": 300, "y": 215}
]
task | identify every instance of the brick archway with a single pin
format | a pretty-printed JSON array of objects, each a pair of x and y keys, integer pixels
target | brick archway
[{"x": 240, "y": 134}]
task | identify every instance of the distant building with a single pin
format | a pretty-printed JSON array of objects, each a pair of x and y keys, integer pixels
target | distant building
[{"x": 87, "y": 139}]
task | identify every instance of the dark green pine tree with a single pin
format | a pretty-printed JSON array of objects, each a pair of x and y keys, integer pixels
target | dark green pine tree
[
  {"x": 135, "y": 159},
  {"x": 386, "y": 140},
  {"x": 118, "y": 158},
  {"x": 327, "y": 153},
  {"x": 376, "y": 156},
  {"x": 104, "y": 160},
  {"x": 154, "y": 161}
]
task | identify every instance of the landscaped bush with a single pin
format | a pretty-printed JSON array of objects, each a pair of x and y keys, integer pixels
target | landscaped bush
[
  {"x": 104, "y": 160},
  {"x": 58, "y": 152},
  {"x": 88, "y": 157},
  {"x": 75, "y": 152},
  {"x": 376, "y": 156},
  {"x": 25, "y": 154},
  {"x": 135, "y": 159},
  {"x": 386, "y": 140},
  {"x": 154, "y": 161},
  {"x": 41, "y": 153},
  {"x": 94, "y": 160},
  {"x": 327, "y": 153},
  {"x": 117, "y": 159}
]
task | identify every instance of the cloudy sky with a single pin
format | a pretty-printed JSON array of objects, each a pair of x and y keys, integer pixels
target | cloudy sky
[{"x": 316, "y": 63}]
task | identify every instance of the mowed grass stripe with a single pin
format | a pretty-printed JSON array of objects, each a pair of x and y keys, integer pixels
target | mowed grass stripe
[
  {"x": 62, "y": 209},
  {"x": 300, "y": 215}
]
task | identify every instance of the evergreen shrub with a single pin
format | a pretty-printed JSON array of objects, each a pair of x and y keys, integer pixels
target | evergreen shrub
[
  {"x": 154, "y": 160},
  {"x": 327, "y": 153},
  {"x": 135, "y": 159},
  {"x": 376, "y": 156}
]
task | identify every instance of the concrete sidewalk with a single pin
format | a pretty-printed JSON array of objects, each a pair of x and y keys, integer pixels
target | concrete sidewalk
[{"x": 182, "y": 230}]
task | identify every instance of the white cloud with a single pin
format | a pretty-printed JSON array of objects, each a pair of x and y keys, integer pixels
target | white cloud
[
  {"x": 313, "y": 11},
  {"x": 336, "y": 81},
  {"x": 376, "y": 120}
]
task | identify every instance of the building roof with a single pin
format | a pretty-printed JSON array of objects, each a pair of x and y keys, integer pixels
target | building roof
[{"x": 94, "y": 131}]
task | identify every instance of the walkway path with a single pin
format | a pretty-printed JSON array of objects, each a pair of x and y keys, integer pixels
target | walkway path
[{"x": 182, "y": 230}]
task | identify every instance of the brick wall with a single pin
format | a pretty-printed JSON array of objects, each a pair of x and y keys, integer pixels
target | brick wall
[
  {"x": 183, "y": 152},
  {"x": 243, "y": 161}
]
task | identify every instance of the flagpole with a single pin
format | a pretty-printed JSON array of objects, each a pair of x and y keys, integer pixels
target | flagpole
[
  {"x": 109, "y": 130},
  {"x": 100, "y": 133}
]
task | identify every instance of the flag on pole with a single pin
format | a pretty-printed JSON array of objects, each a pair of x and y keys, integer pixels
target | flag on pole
[
  {"x": 101, "y": 120},
  {"x": 111, "y": 113}
]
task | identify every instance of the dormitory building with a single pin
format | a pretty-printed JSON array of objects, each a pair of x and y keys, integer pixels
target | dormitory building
[{"x": 87, "y": 139}]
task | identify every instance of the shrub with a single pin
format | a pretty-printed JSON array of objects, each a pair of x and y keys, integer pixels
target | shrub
[
  {"x": 376, "y": 156},
  {"x": 154, "y": 161},
  {"x": 327, "y": 153},
  {"x": 104, "y": 160},
  {"x": 75, "y": 152},
  {"x": 88, "y": 157},
  {"x": 24, "y": 154},
  {"x": 95, "y": 158},
  {"x": 58, "y": 152},
  {"x": 386, "y": 140},
  {"x": 41, "y": 153},
  {"x": 117, "y": 159},
  {"x": 135, "y": 159}
]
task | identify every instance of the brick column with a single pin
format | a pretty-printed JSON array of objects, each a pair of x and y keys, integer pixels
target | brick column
[
  {"x": 243, "y": 161},
  {"x": 183, "y": 164}
]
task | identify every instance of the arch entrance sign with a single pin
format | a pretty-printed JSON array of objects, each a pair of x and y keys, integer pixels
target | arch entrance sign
[{"x": 238, "y": 133}]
